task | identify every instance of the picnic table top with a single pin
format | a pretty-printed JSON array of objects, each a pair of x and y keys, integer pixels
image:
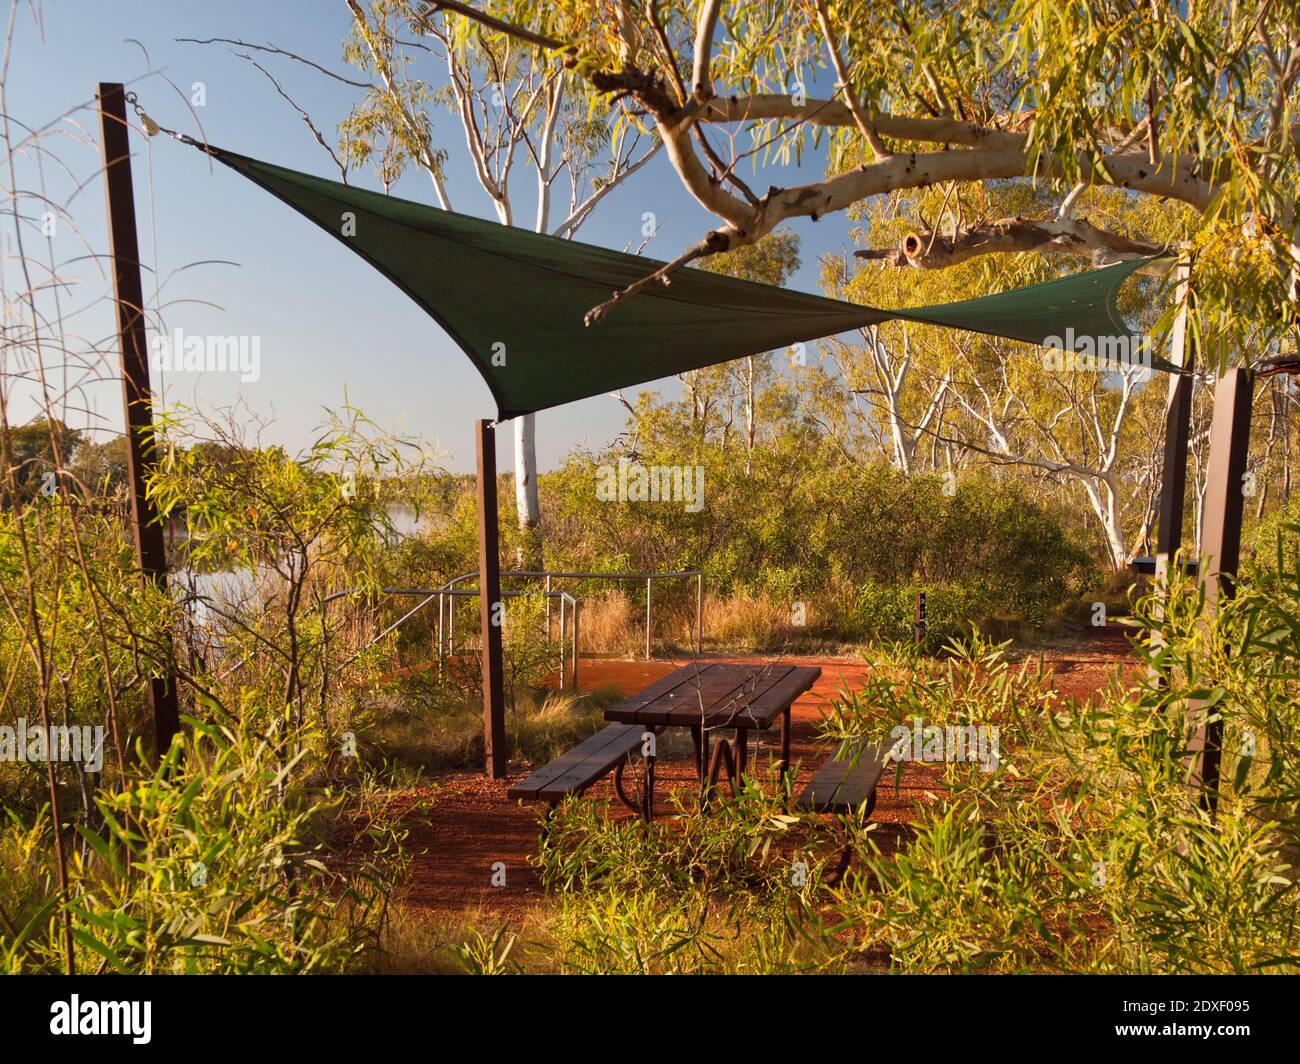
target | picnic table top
[{"x": 717, "y": 695}]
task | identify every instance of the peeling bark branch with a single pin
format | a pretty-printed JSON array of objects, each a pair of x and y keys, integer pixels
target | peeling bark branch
[
  {"x": 997, "y": 148},
  {"x": 1073, "y": 236},
  {"x": 666, "y": 49},
  {"x": 834, "y": 113}
]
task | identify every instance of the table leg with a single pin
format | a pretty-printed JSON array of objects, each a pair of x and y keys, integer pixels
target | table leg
[
  {"x": 723, "y": 761},
  {"x": 785, "y": 743},
  {"x": 649, "y": 796},
  {"x": 621, "y": 793},
  {"x": 704, "y": 766},
  {"x": 742, "y": 747}
]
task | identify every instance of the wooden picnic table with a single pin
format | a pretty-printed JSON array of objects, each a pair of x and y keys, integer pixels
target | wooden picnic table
[{"x": 708, "y": 698}]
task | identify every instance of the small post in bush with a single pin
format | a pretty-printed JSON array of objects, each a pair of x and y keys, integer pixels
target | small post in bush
[
  {"x": 918, "y": 631},
  {"x": 649, "y": 613}
]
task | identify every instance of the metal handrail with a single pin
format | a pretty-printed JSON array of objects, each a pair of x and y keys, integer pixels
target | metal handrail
[
  {"x": 447, "y": 591},
  {"x": 649, "y": 579},
  {"x": 449, "y": 594}
]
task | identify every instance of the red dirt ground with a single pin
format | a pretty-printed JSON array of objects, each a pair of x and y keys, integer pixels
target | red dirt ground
[{"x": 463, "y": 823}]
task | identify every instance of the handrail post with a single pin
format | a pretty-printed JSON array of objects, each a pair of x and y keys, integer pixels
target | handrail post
[
  {"x": 699, "y": 614},
  {"x": 562, "y": 642},
  {"x": 441, "y": 602},
  {"x": 649, "y": 592},
  {"x": 573, "y": 654},
  {"x": 548, "y": 609}
]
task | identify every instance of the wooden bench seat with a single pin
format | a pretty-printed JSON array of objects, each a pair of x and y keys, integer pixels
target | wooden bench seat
[
  {"x": 846, "y": 780},
  {"x": 577, "y": 769},
  {"x": 846, "y": 783}
]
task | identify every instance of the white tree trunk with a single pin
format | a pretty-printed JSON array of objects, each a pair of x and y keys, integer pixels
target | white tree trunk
[
  {"x": 1102, "y": 498},
  {"x": 751, "y": 417},
  {"x": 495, "y": 128},
  {"x": 526, "y": 502}
]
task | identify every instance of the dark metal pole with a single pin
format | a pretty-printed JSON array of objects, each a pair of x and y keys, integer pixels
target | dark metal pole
[
  {"x": 136, "y": 394},
  {"x": 490, "y": 603},
  {"x": 1221, "y": 535},
  {"x": 1178, "y": 420},
  {"x": 918, "y": 632}
]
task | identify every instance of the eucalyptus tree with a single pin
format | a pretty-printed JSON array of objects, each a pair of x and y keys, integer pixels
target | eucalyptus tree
[
  {"x": 1192, "y": 102},
  {"x": 739, "y": 387},
  {"x": 513, "y": 106},
  {"x": 513, "y": 112},
  {"x": 979, "y": 400}
]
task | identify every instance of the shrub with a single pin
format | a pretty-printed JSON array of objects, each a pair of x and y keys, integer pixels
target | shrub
[
  {"x": 694, "y": 894},
  {"x": 808, "y": 527},
  {"x": 214, "y": 863},
  {"x": 1089, "y": 848}
]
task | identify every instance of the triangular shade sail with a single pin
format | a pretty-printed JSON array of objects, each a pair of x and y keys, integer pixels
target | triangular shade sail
[{"x": 514, "y": 301}]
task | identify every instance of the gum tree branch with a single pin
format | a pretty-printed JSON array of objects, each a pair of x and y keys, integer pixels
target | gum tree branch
[
  {"x": 1071, "y": 236},
  {"x": 868, "y": 131},
  {"x": 419, "y": 141},
  {"x": 706, "y": 26}
]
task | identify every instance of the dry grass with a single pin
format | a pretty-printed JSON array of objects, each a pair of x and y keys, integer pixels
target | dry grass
[
  {"x": 611, "y": 624},
  {"x": 745, "y": 621},
  {"x": 419, "y": 942},
  {"x": 614, "y": 625},
  {"x": 441, "y": 735}
]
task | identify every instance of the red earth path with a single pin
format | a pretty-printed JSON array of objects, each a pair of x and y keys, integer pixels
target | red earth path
[{"x": 463, "y": 824}]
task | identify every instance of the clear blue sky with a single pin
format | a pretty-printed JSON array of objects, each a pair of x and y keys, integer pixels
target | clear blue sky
[{"x": 329, "y": 325}]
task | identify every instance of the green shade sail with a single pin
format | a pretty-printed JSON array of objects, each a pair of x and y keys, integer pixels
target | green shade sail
[{"x": 514, "y": 301}]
